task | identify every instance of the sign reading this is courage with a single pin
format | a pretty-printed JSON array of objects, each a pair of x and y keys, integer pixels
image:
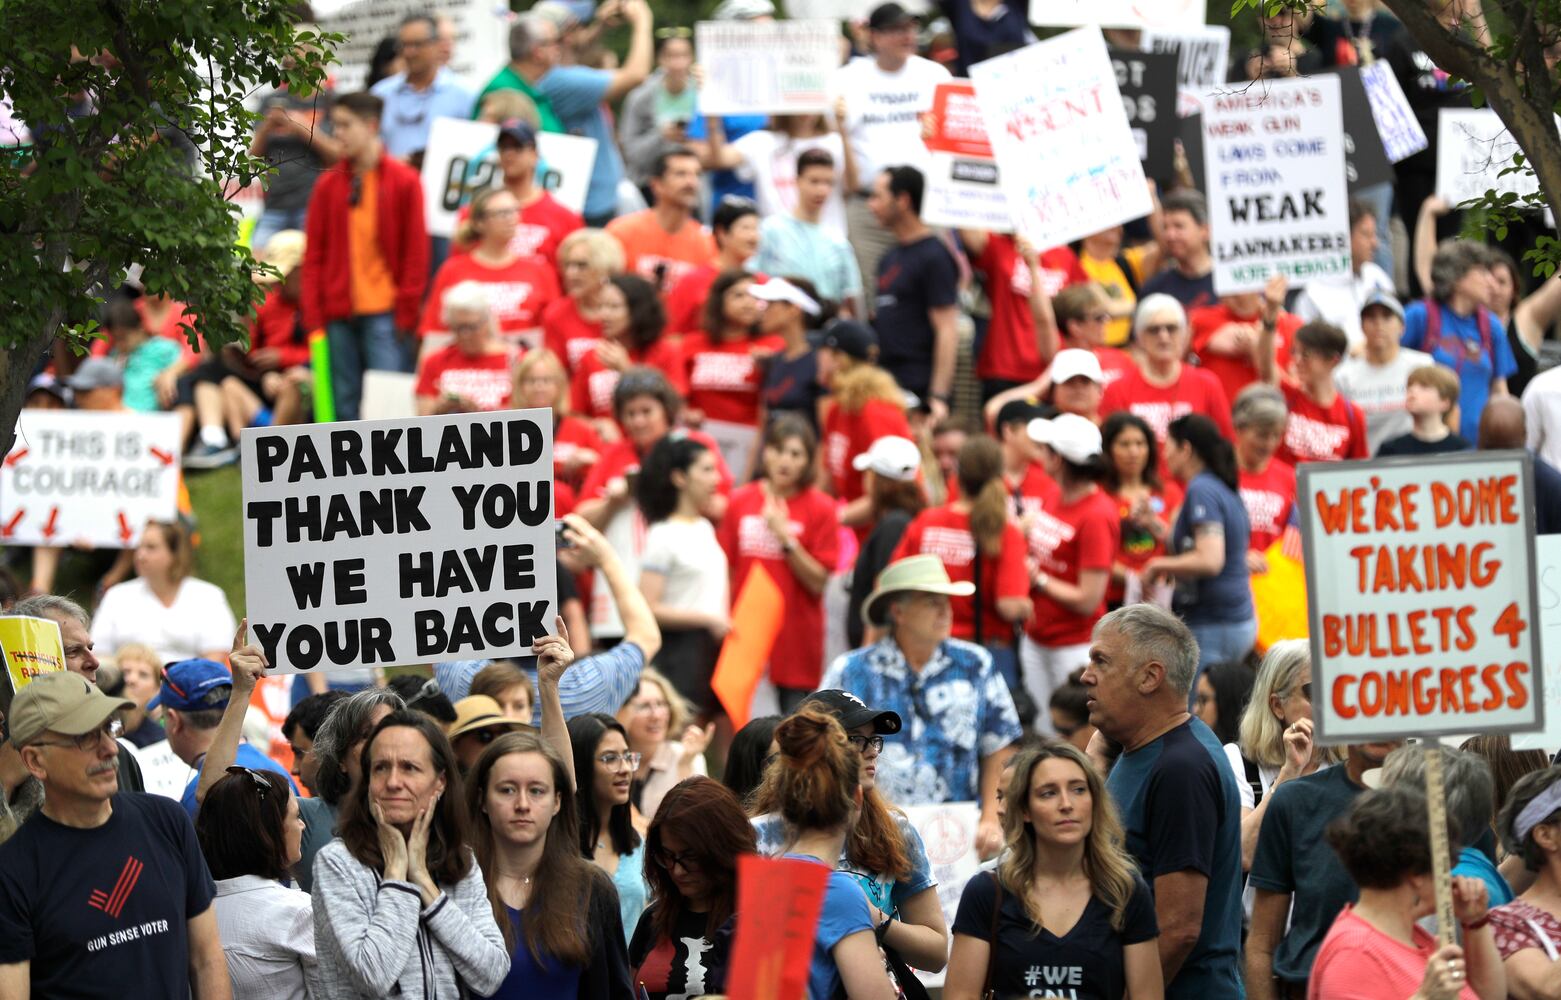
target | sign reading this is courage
[{"x": 389, "y": 542}]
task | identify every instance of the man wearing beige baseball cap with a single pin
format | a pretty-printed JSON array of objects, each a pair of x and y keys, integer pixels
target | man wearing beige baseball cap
[
  {"x": 100, "y": 890},
  {"x": 959, "y": 719}
]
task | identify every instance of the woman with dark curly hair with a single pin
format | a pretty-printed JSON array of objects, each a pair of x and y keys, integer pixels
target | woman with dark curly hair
[
  {"x": 633, "y": 324},
  {"x": 1375, "y": 949},
  {"x": 683, "y": 940}
]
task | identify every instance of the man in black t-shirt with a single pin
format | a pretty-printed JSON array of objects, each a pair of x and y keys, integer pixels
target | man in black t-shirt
[
  {"x": 102, "y": 892},
  {"x": 1184, "y": 241},
  {"x": 917, "y": 294}
]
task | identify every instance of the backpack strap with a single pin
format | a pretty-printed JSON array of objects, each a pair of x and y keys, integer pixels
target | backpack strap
[
  {"x": 1433, "y": 330},
  {"x": 1433, "y": 326},
  {"x": 1254, "y": 779},
  {"x": 1127, "y": 272}
]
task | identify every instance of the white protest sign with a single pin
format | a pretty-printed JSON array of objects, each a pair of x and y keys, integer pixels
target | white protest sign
[
  {"x": 1472, "y": 147},
  {"x": 1273, "y": 165},
  {"x": 377, "y": 543},
  {"x": 1119, "y": 13},
  {"x": 1066, "y": 155},
  {"x": 1547, "y": 549},
  {"x": 481, "y": 36},
  {"x": 962, "y": 190},
  {"x": 1421, "y": 581},
  {"x": 463, "y": 158},
  {"x": 948, "y": 833},
  {"x": 766, "y": 67},
  {"x": 1202, "y": 61},
  {"x": 845, "y": 10},
  {"x": 77, "y": 476},
  {"x": 1402, "y": 136}
]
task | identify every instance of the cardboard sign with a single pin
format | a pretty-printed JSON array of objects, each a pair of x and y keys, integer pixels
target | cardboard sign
[
  {"x": 957, "y": 125},
  {"x": 1421, "y": 581},
  {"x": 1402, "y": 136},
  {"x": 766, "y": 67},
  {"x": 30, "y": 647},
  {"x": 94, "y": 478},
  {"x": 962, "y": 189},
  {"x": 481, "y": 36},
  {"x": 1472, "y": 147},
  {"x": 378, "y": 543},
  {"x": 1066, "y": 156},
  {"x": 778, "y": 903},
  {"x": 1147, "y": 81},
  {"x": 948, "y": 833},
  {"x": 1547, "y": 548},
  {"x": 1119, "y": 13},
  {"x": 758, "y": 615},
  {"x": 463, "y": 159},
  {"x": 1366, "y": 162},
  {"x": 1202, "y": 61},
  {"x": 1273, "y": 162}
]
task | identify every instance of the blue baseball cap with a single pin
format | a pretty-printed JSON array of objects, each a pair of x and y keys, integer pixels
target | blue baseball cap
[{"x": 193, "y": 686}]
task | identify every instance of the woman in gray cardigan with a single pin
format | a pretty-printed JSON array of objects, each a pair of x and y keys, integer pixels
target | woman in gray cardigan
[{"x": 400, "y": 906}]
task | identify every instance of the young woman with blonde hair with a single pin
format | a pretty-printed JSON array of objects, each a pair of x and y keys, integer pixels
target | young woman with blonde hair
[
  {"x": 1066, "y": 898},
  {"x": 542, "y": 382}
]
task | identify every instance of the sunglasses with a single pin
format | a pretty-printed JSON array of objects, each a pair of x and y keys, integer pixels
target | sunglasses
[
  {"x": 612, "y": 760},
  {"x": 262, "y": 785},
  {"x": 677, "y": 32},
  {"x": 430, "y": 687},
  {"x": 862, "y": 743}
]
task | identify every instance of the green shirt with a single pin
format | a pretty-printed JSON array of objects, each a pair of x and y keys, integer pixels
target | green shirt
[
  {"x": 508, "y": 79},
  {"x": 142, "y": 366}
]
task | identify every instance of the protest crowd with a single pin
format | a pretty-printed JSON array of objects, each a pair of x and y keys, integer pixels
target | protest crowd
[{"x": 1020, "y": 506}]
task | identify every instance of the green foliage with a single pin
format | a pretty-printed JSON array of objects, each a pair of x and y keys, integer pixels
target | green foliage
[{"x": 115, "y": 182}]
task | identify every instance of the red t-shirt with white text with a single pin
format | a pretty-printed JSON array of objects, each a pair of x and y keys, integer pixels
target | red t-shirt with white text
[
  {"x": 1064, "y": 540},
  {"x": 1268, "y": 496},
  {"x": 1194, "y": 391},
  {"x": 1009, "y": 351},
  {"x": 572, "y": 434},
  {"x": 568, "y": 334},
  {"x": 847, "y": 435},
  {"x": 945, "y": 533},
  {"x": 517, "y": 294},
  {"x": 1316, "y": 433},
  {"x": 724, "y": 379},
  {"x": 483, "y": 380},
  {"x": 592, "y": 384},
  {"x": 620, "y": 457},
  {"x": 1236, "y": 373}
]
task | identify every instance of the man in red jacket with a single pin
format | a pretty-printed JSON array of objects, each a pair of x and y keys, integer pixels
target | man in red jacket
[{"x": 366, "y": 262}]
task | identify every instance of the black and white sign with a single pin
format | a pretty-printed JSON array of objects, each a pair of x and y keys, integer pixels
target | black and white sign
[{"x": 1147, "y": 81}]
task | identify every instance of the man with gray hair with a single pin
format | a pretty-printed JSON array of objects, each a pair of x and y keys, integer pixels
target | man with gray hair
[
  {"x": 76, "y": 636},
  {"x": 1176, "y": 794},
  {"x": 426, "y": 90}
]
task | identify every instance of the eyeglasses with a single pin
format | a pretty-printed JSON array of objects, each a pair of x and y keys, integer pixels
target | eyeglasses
[
  {"x": 612, "y": 760},
  {"x": 692, "y": 863},
  {"x": 499, "y": 213},
  {"x": 262, "y": 785},
  {"x": 651, "y": 707},
  {"x": 862, "y": 743},
  {"x": 430, "y": 689},
  {"x": 1169, "y": 329},
  {"x": 88, "y": 742}
]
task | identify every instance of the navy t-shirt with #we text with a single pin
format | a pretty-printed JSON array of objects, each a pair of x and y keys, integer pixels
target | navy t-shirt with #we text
[
  {"x": 1182, "y": 813},
  {"x": 103, "y": 912},
  {"x": 912, "y": 279}
]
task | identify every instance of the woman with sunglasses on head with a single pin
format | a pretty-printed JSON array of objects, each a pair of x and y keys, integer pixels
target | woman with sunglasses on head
[
  {"x": 883, "y": 853},
  {"x": 604, "y": 776},
  {"x": 1066, "y": 895},
  {"x": 816, "y": 786},
  {"x": 252, "y": 836},
  {"x": 399, "y": 902},
  {"x": 683, "y": 940},
  {"x": 557, "y": 911}
]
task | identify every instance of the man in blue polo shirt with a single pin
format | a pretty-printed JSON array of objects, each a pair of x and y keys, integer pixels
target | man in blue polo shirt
[
  {"x": 193, "y": 697},
  {"x": 426, "y": 90}
]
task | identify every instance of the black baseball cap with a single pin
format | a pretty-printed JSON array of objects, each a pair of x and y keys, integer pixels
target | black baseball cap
[
  {"x": 520, "y": 132},
  {"x": 888, "y": 16},
  {"x": 850, "y": 337},
  {"x": 1021, "y": 411},
  {"x": 853, "y": 711}
]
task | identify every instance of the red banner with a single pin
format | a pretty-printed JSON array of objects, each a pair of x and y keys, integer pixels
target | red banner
[{"x": 778, "y": 903}]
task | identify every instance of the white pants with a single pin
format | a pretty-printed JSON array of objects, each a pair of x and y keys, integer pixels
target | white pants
[{"x": 1044, "y": 669}]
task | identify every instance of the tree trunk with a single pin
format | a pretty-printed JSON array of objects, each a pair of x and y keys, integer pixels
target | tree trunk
[{"x": 17, "y": 365}]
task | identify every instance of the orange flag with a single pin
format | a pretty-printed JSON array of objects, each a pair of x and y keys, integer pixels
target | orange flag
[
  {"x": 778, "y": 903},
  {"x": 756, "y": 621}
]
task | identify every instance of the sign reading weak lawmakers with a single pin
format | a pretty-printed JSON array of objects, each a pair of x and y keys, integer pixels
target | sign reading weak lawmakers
[
  {"x": 389, "y": 542},
  {"x": 1421, "y": 581},
  {"x": 84, "y": 477}
]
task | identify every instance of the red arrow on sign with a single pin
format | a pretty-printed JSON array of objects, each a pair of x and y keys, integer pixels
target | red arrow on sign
[
  {"x": 54, "y": 518},
  {"x": 16, "y": 456},
  {"x": 162, "y": 456},
  {"x": 124, "y": 528},
  {"x": 9, "y": 528}
]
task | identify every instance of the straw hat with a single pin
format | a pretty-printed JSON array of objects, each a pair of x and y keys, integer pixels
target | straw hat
[{"x": 924, "y": 574}]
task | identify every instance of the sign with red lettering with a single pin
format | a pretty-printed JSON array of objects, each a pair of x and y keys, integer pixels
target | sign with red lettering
[
  {"x": 957, "y": 125},
  {"x": 1422, "y": 585}
]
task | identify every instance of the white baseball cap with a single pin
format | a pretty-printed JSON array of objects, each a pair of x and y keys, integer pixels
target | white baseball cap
[
  {"x": 1075, "y": 438},
  {"x": 1074, "y": 362},
  {"x": 894, "y": 457},
  {"x": 781, "y": 290}
]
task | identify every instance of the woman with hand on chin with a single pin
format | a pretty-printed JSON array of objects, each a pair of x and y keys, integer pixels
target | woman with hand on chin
[
  {"x": 649, "y": 718},
  {"x": 399, "y": 902}
]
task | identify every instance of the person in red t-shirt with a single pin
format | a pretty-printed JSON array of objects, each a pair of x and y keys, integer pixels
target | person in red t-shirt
[
  {"x": 736, "y": 231},
  {"x": 519, "y": 288},
  {"x": 1021, "y": 335},
  {"x": 866, "y": 404},
  {"x": 782, "y": 522},
  {"x": 540, "y": 382},
  {"x": 1146, "y": 504},
  {"x": 471, "y": 375},
  {"x": 587, "y": 258},
  {"x": 543, "y": 221},
  {"x": 664, "y": 242},
  {"x": 1323, "y": 425},
  {"x": 1225, "y": 334},
  {"x": 1078, "y": 384},
  {"x": 633, "y": 324},
  {"x": 1267, "y": 484},
  {"x": 723, "y": 368},
  {"x": 1029, "y": 488},
  {"x": 1072, "y": 546},
  {"x": 1166, "y": 387},
  {"x": 973, "y": 531}
]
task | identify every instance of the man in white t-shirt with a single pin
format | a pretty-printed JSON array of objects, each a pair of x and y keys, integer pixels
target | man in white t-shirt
[
  {"x": 1542, "y": 414},
  {"x": 1378, "y": 380},
  {"x": 884, "y": 96},
  {"x": 1340, "y": 301}
]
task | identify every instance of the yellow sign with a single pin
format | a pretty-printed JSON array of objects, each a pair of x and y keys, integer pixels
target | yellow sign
[{"x": 30, "y": 647}]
